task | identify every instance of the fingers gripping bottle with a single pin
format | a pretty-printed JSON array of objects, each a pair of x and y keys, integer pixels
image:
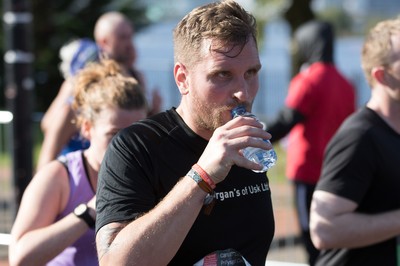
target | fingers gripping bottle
[{"x": 267, "y": 158}]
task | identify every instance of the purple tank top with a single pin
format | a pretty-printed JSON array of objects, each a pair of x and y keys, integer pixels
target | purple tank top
[{"x": 83, "y": 251}]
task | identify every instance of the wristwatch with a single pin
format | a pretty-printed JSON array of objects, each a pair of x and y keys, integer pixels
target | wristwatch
[{"x": 82, "y": 212}]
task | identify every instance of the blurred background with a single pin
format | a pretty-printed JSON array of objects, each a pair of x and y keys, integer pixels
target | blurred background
[
  {"x": 34, "y": 31},
  {"x": 53, "y": 23}
]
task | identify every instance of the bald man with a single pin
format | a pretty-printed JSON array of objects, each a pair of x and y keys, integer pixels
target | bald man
[{"x": 113, "y": 34}]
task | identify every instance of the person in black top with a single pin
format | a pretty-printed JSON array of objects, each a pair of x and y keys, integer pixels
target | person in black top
[
  {"x": 355, "y": 211},
  {"x": 319, "y": 99},
  {"x": 175, "y": 189}
]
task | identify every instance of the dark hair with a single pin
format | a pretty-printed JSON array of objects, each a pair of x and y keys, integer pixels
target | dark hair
[{"x": 315, "y": 40}]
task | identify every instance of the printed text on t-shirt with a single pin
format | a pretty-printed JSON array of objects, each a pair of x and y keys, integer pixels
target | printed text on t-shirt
[{"x": 248, "y": 190}]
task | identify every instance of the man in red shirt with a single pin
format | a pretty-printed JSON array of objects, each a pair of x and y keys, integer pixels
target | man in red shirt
[{"x": 319, "y": 99}]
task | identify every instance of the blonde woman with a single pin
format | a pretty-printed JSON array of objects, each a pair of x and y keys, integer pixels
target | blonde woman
[{"x": 54, "y": 225}]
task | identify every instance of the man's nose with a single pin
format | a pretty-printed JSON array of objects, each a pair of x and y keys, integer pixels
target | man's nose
[{"x": 241, "y": 90}]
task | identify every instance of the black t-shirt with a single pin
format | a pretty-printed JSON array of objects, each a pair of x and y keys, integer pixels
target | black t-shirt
[
  {"x": 144, "y": 162},
  {"x": 362, "y": 163}
]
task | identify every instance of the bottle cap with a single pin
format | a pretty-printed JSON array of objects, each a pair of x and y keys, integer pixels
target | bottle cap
[{"x": 238, "y": 110}]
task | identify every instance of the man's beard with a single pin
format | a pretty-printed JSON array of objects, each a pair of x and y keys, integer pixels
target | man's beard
[
  {"x": 209, "y": 116},
  {"x": 209, "y": 119}
]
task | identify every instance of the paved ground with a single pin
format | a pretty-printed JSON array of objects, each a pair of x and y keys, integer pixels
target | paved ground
[{"x": 285, "y": 246}]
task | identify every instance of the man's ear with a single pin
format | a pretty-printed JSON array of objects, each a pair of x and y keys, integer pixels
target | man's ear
[
  {"x": 104, "y": 46},
  {"x": 180, "y": 75},
  {"x": 380, "y": 75}
]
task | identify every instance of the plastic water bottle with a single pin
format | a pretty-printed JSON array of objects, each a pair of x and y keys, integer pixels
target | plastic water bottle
[{"x": 267, "y": 158}]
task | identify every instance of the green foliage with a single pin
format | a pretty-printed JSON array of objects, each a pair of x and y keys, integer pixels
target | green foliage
[
  {"x": 264, "y": 11},
  {"x": 341, "y": 21},
  {"x": 277, "y": 173},
  {"x": 57, "y": 22}
]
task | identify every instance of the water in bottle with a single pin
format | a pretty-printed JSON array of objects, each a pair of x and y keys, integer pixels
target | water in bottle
[{"x": 267, "y": 158}]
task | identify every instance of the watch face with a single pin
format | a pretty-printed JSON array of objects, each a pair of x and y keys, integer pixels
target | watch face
[{"x": 80, "y": 209}]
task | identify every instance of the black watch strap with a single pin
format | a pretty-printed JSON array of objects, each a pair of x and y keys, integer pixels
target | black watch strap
[{"x": 82, "y": 212}]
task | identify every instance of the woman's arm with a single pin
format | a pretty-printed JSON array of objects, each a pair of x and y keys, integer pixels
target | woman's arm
[
  {"x": 52, "y": 113},
  {"x": 57, "y": 136},
  {"x": 35, "y": 237},
  {"x": 57, "y": 125}
]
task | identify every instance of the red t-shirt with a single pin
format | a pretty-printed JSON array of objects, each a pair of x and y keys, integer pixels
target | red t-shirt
[{"x": 325, "y": 98}]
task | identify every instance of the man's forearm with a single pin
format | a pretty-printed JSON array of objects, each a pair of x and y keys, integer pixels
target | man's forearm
[
  {"x": 341, "y": 227},
  {"x": 283, "y": 123},
  {"x": 154, "y": 238}
]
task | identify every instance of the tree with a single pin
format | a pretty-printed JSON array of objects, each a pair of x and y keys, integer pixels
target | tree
[
  {"x": 57, "y": 22},
  {"x": 295, "y": 12},
  {"x": 54, "y": 23},
  {"x": 299, "y": 12}
]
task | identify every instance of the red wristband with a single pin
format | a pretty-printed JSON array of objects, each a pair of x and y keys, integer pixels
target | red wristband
[
  {"x": 209, "y": 200},
  {"x": 203, "y": 174}
]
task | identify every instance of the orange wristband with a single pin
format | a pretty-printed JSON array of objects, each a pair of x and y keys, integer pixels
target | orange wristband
[{"x": 203, "y": 174}]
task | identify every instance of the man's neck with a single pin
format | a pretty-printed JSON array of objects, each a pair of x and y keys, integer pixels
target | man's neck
[
  {"x": 188, "y": 119},
  {"x": 388, "y": 109}
]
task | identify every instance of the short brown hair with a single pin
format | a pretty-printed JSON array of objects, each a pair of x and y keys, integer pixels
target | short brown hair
[
  {"x": 225, "y": 21},
  {"x": 377, "y": 48}
]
